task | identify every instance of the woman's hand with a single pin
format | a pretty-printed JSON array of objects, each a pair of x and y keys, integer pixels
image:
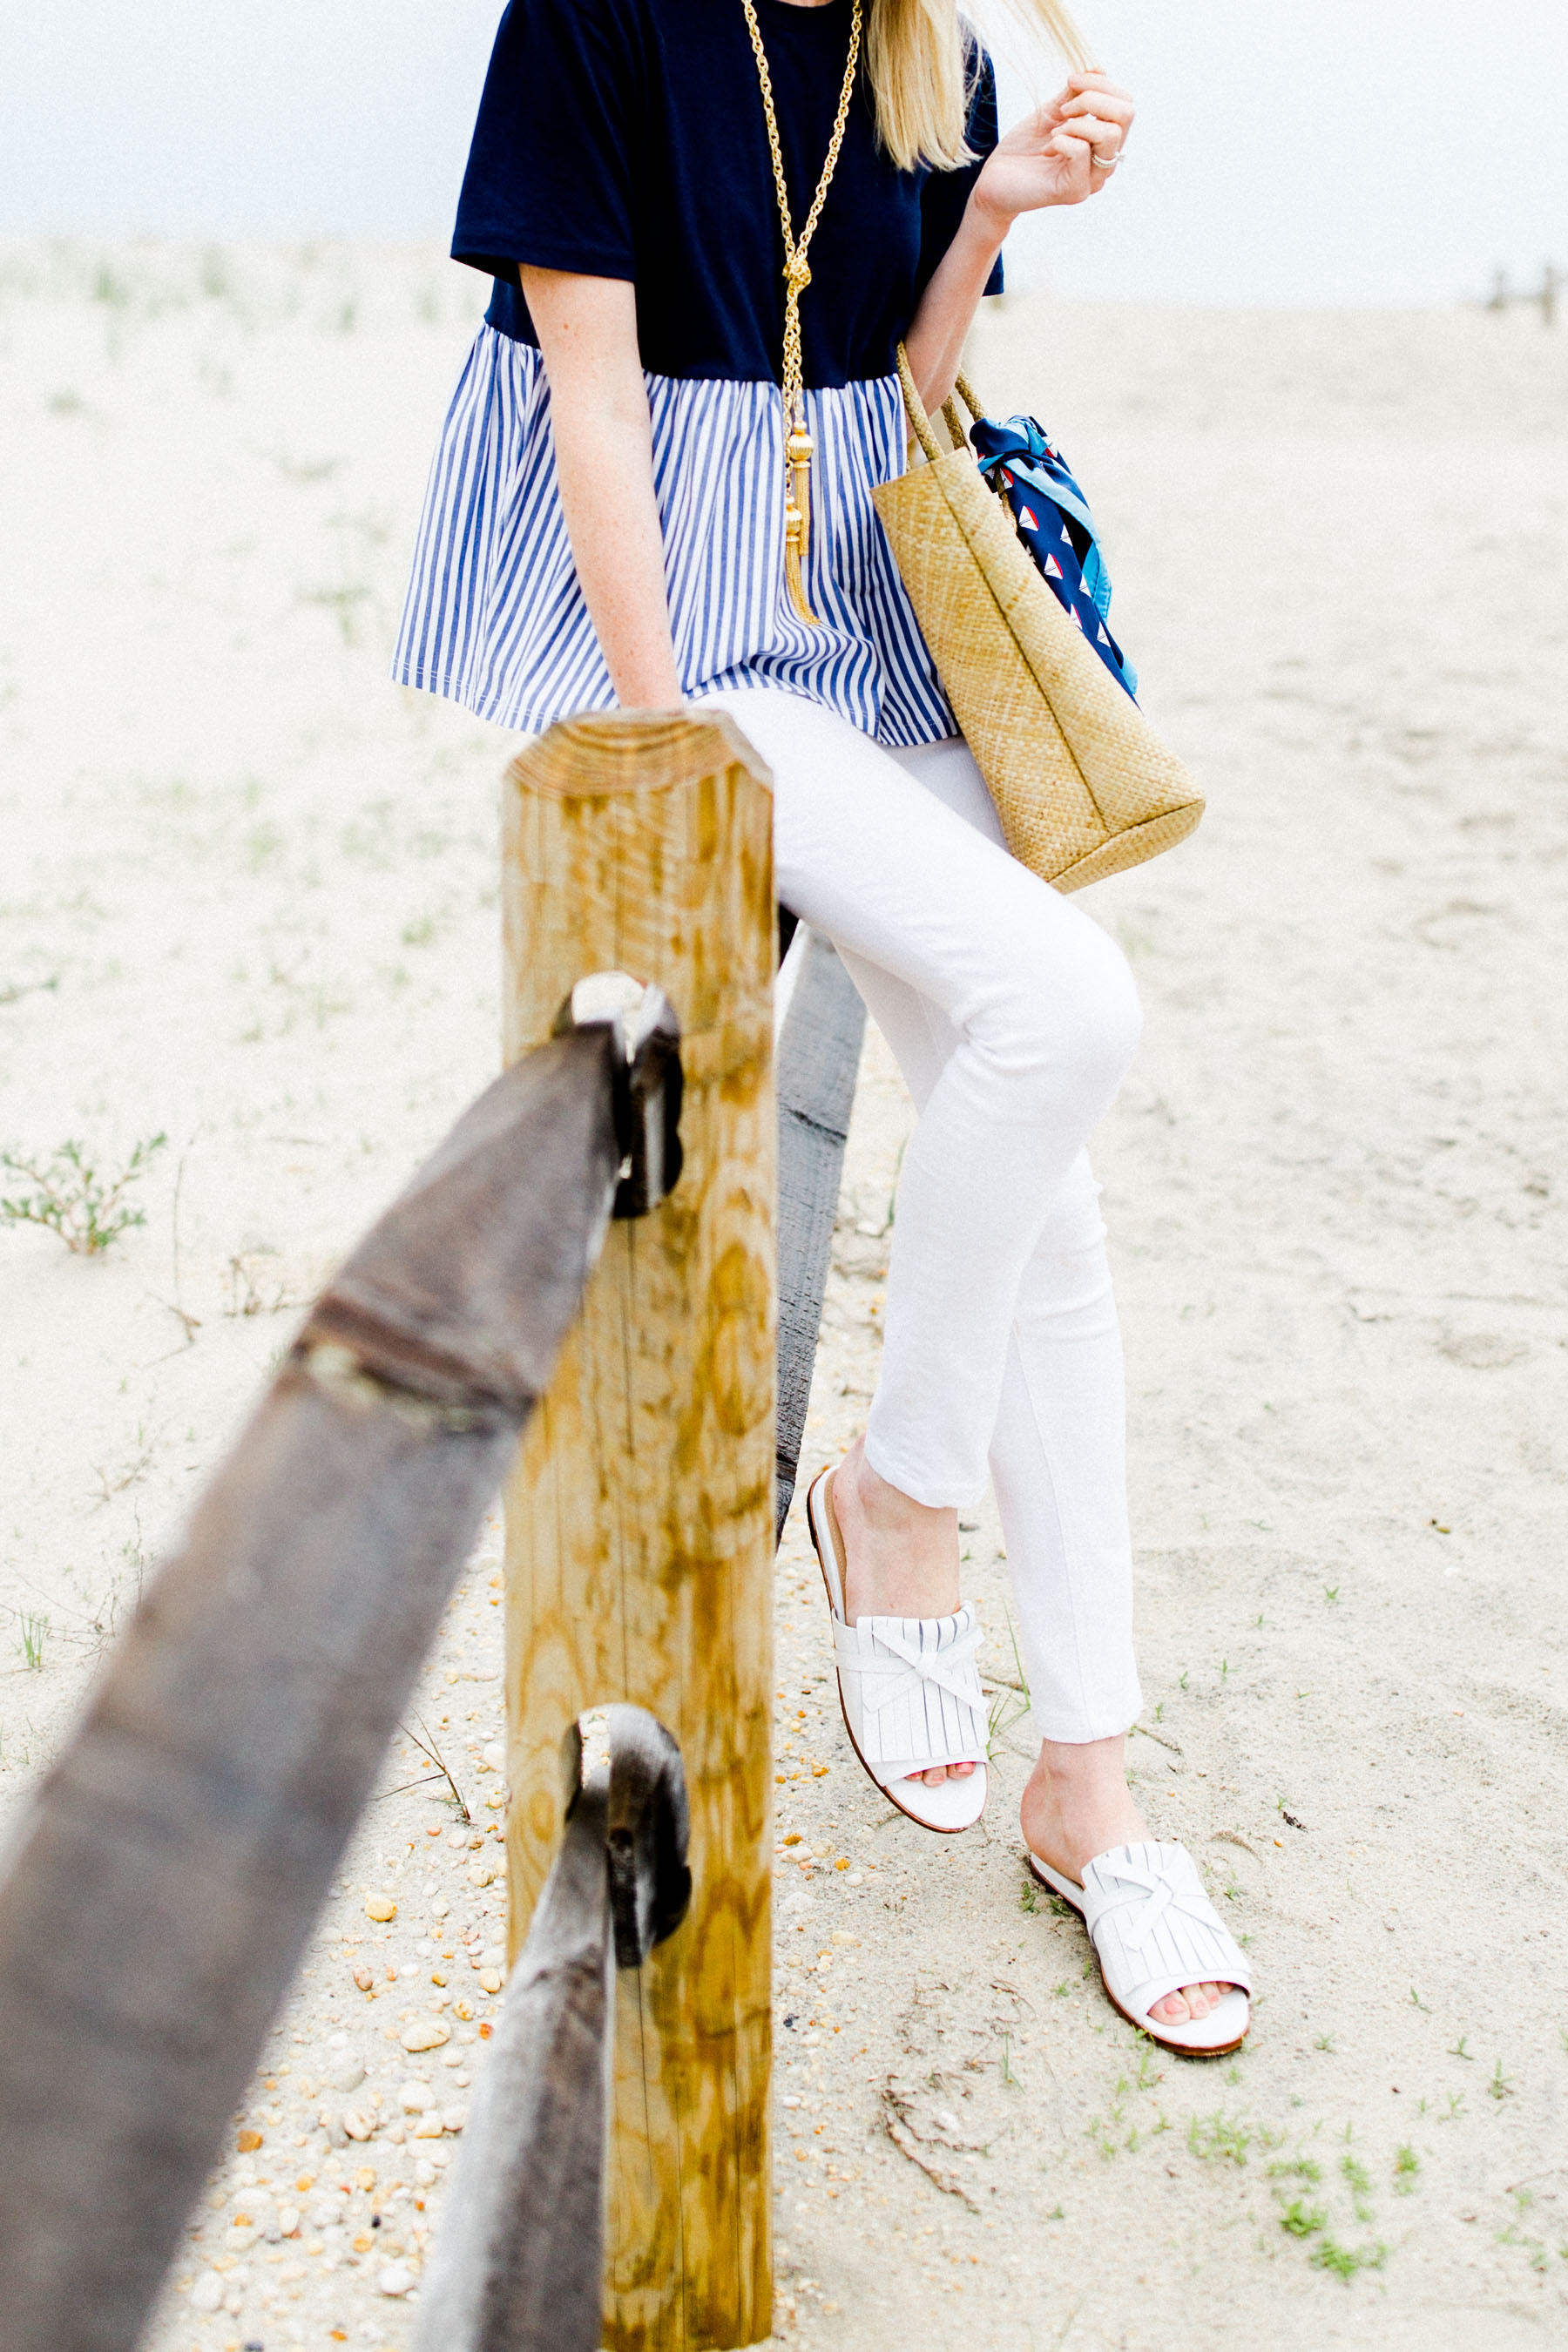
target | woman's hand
[{"x": 1061, "y": 155}]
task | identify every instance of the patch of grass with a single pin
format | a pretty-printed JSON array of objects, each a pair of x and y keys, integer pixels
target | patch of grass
[
  {"x": 1358, "y": 2182},
  {"x": 34, "y": 1628},
  {"x": 1029, "y": 1901},
  {"x": 1501, "y": 2085},
  {"x": 1457, "y": 2049},
  {"x": 1303, "y": 2220},
  {"x": 344, "y": 603},
  {"x": 1325, "y": 2041},
  {"x": 1346, "y": 2261},
  {"x": 13, "y": 991},
  {"x": 1296, "y": 2168},
  {"x": 1407, "y": 2166},
  {"x": 68, "y": 1196},
  {"x": 263, "y": 845},
  {"x": 1218, "y": 2138},
  {"x": 1012, "y": 1701}
]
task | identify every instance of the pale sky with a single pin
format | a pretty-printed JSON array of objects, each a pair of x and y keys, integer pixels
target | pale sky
[{"x": 1356, "y": 150}]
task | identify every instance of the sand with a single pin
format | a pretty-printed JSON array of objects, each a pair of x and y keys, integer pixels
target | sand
[{"x": 249, "y": 903}]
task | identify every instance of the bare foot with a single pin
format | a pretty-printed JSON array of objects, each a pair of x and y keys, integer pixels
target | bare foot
[
  {"x": 902, "y": 1556},
  {"x": 1078, "y": 1804}
]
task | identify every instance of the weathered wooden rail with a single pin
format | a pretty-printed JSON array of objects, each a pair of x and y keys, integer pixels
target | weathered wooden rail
[
  {"x": 172, "y": 1860},
  {"x": 520, "y": 2260}
]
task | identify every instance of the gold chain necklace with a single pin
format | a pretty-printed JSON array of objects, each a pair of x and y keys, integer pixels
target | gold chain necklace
[{"x": 799, "y": 446}]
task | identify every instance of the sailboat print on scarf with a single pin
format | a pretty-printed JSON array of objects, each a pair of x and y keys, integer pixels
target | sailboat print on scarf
[{"x": 1022, "y": 465}]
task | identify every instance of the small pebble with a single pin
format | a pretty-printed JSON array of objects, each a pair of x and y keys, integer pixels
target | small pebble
[
  {"x": 396, "y": 2278},
  {"x": 358, "y": 2126},
  {"x": 364, "y": 1978},
  {"x": 414, "y": 2098},
  {"x": 207, "y": 2293},
  {"x": 248, "y": 2142},
  {"x": 380, "y": 1907},
  {"x": 349, "y": 2075},
  {"x": 424, "y": 2033}
]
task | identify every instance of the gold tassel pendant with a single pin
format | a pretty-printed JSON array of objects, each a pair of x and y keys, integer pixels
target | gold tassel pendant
[
  {"x": 799, "y": 451},
  {"x": 799, "y": 446}
]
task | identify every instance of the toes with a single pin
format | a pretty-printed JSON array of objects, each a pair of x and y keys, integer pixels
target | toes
[{"x": 1194, "y": 2001}]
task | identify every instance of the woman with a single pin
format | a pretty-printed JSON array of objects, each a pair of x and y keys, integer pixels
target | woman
[{"x": 607, "y": 524}]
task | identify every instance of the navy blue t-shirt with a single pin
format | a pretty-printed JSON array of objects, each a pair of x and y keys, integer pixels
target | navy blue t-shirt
[{"x": 626, "y": 139}]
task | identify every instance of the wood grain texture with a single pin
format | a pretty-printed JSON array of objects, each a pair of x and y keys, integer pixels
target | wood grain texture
[
  {"x": 818, "y": 1058},
  {"x": 168, "y": 1869},
  {"x": 639, "y": 1519},
  {"x": 519, "y": 2258}
]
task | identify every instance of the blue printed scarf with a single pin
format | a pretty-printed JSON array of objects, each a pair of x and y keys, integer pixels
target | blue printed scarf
[{"x": 1053, "y": 521}]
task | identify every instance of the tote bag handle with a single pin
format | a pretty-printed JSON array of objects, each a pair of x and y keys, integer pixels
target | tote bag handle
[{"x": 919, "y": 421}]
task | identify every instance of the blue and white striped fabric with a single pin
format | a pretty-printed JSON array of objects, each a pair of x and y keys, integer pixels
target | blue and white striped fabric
[{"x": 494, "y": 617}]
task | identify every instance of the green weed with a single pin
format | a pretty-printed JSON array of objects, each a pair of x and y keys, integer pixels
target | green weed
[
  {"x": 1218, "y": 2138},
  {"x": 71, "y": 1198},
  {"x": 1346, "y": 2261}
]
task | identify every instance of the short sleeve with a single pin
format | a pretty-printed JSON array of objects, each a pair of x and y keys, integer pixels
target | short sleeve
[
  {"x": 550, "y": 170},
  {"x": 944, "y": 195}
]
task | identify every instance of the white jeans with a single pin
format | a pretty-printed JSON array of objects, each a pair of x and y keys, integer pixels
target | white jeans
[{"x": 1013, "y": 1018}]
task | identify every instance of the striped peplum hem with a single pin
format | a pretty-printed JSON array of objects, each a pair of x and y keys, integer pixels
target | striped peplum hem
[{"x": 494, "y": 618}]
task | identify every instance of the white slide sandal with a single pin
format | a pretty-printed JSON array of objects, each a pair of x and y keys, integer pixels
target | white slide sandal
[
  {"x": 1155, "y": 1930},
  {"x": 910, "y": 1690}
]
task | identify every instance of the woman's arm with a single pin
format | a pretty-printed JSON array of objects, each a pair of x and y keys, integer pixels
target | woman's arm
[
  {"x": 587, "y": 331},
  {"x": 1048, "y": 160}
]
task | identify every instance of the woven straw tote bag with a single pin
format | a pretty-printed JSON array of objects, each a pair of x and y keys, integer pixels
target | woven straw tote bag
[{"x": 1083, "y": 785}]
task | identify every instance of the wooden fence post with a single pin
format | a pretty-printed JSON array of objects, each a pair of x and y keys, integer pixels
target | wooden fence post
[{"x": 639, "y": 1518}]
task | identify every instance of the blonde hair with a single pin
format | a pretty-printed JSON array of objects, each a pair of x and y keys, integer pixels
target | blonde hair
[{"x": 918, "y": 56}]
